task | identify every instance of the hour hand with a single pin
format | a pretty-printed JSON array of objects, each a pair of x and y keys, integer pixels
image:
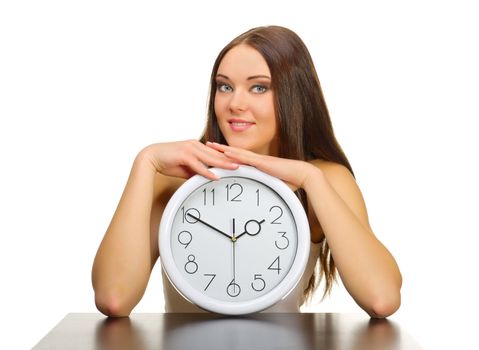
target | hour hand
[
  {"x": 206, "y": 224},
  {"x": 252, "y": 227}
]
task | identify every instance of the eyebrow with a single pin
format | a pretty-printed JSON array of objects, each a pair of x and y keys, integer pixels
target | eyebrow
[{"x": 219, "y": 75}]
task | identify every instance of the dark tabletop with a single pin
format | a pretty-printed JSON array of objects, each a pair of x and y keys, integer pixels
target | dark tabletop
[{"x": 210, "y": 331}]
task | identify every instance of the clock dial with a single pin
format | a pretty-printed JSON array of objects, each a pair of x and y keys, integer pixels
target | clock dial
[
  {"x": 233, "y": 239},
  {"x": 236, "y": 245}
]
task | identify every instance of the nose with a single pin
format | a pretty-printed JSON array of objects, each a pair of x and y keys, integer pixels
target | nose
[{"x": 238, "y": 101}]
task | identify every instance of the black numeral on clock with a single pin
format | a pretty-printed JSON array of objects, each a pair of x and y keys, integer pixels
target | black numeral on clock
[
  {"x": 185, "y": 238},
  {"x": 278, "y": 212},
  {"x": 275, "y": 265},
  {"x": 212, "y": 275},
  {"x": 233, "y": 289},
  {"x": 258, "y": 283},
  {"x": 206, "y": 196},
  {"x": 193, "y": 213},
  {"x": 283, "y": 242},
  {"x": 233, "y": 192},
  {"x": 191, "y": 266}
]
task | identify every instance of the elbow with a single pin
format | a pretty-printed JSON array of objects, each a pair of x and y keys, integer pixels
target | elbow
[
  {"x": 385, "y": 306},
  {"x": 111, "y": 304},
  {"x": 386, "y": 300}
]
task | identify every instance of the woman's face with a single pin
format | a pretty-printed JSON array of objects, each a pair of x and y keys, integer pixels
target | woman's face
[{"x": 244, "y": 104}]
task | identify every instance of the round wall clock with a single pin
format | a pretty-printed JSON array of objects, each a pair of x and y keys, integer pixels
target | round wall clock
[{"x": 236, "y": 245}]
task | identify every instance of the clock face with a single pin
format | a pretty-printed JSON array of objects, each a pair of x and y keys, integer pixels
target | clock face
[{"x": 231, "y": 241}]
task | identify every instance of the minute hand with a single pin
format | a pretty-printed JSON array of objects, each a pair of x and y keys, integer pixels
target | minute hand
[{"x": 206, "y": 224}]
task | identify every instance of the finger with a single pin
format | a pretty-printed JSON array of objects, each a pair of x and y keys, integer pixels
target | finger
[
  {"x": 277, "y": 167},
  {"x": 198, "y": 167},
  {"x": 271, "y": 165},
  {"x": 230, "y": 152},
  {"x": 238, "y": 154},
  {"x": 215, "y": 158},
  {"x": 219, "y": 147},
  {"x": 179, "y": 171},
  {"x": 215, "y": 145},
  {"x": 246, "y": 157}
]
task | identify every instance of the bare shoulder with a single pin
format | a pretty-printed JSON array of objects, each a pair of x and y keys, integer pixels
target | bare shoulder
[
  {"x": 345, "y": 185},
  {"x": 338, "y": 176}
]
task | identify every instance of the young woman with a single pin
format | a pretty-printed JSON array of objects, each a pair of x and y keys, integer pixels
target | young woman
[{"x": 267, "y": 110}]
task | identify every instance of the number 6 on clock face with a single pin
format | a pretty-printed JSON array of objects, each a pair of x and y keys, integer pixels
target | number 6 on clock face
[{"x": 236, "y": 245}]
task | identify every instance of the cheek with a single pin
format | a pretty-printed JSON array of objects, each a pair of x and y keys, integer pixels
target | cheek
[
  {"x": 221, "y": 116},
  {"x": 266, "y": 113},
  {"x": 219, "y": 106}
]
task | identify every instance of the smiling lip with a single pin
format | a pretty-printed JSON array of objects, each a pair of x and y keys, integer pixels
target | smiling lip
[{"x": 239, "y": 124}]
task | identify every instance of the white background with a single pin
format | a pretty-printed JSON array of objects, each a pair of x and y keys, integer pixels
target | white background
[{"x": 84, "y": 85}]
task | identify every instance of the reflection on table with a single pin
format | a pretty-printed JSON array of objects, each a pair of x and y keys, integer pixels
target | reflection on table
[{"x": 209, "y": 331}]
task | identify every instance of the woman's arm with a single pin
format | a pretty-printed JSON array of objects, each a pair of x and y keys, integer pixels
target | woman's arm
[
  {"x": 367, "y": 269},
  {"x": 129, "y": 249},
  {"x": 124, "y": 260}
]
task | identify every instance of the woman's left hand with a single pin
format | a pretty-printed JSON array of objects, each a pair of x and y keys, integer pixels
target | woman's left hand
[{"x": 293, "y": 172}]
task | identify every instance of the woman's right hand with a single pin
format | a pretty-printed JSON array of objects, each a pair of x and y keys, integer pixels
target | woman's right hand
[
  {"x": 129, "y": 249},
  {"x": 185, "y": 159}
]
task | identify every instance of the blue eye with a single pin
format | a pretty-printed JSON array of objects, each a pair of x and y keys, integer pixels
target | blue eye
[
  {"x": 259, "y": 89},
  {"x": 224, "y": 87}
]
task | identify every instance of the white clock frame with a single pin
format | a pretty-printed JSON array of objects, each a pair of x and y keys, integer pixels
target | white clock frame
[{"x": 285, "y": 286}]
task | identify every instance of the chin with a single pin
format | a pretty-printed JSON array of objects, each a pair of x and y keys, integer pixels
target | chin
[
  {"x": 248, "y": 147},
  {"x": 239, "y": 143},
  {"x": 248, "y": 144}
]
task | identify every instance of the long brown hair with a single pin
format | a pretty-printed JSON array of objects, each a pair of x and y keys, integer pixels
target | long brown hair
[{"x": 305, "y": 130}]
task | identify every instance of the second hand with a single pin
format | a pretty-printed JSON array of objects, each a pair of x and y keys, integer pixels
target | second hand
[{"x": 233, "y": 239}]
